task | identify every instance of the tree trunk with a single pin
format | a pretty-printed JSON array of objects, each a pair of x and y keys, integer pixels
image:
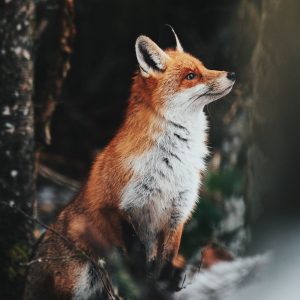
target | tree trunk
[
  {"x": 16, "y": 141},
  {"x": 55, "y": 31},
  {"x": 273, "y": 157}
]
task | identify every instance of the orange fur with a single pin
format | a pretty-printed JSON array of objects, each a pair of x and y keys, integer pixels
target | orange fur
[
  {"x": 213, "y": 254},
  {"x": 94, "y": 220}
]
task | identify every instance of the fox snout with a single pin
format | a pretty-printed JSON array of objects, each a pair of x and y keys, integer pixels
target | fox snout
[{"x": 221, "y": 86}]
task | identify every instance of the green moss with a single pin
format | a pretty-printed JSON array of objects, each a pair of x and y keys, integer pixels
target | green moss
[{"x": 19, "y": 254}]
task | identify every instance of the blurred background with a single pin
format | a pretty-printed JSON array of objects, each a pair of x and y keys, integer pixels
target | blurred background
[{"x": 82, "y": 61}]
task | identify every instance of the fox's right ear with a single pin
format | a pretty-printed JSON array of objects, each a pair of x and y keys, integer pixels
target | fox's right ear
[
  {"x": 151, "y": 58},
  {"x": 168, "y": 38}
]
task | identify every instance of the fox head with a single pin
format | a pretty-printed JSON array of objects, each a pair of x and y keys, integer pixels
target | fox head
[{"x": 175, "y": 80}]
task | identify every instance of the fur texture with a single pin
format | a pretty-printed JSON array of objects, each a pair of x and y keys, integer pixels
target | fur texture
[{"x": 145, "y": 183}]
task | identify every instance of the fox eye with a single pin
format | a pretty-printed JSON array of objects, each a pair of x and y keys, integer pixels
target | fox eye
[{"x": 190, "y": 76}]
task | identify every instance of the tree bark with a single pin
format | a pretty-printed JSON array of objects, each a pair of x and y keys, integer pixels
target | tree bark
[
  {"x": 55, "y": 33},
  {"x": 273, "y": 156},
  {"x": 16, "y": 140}
]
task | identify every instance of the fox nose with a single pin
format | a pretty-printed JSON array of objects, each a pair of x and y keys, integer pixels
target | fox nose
[{"x": 231, "y": 76}]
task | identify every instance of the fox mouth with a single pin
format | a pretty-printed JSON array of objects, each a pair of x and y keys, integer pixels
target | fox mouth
[
  {"x": 220, "y": 93},
  {"x": 209, "y": 93}
]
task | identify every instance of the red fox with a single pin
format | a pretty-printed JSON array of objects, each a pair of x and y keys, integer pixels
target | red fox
[{"x": 145, "y": 183}]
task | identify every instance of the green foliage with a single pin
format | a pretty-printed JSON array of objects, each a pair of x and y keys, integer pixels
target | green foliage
[
  {"x": 126, "y": 285},
  {"x": 200, "y": 228},
  {"x": 218, "y": 186},
  {"x": 123, "y": 279},
  {"x": 227, "y": 182}
]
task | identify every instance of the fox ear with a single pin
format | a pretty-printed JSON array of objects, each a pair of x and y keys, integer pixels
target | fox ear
[
  {"x": 169, "y": 39},
  {"x": 150, "y": 57}
]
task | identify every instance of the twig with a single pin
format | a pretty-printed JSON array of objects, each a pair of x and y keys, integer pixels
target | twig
[
  {"x": 44, "y": 259},
  {"x": 103, "y": 276},
  {"x": 58, "y": 178},
  {"x": 183, "y": 282},
  {"x": 37, "y": 221}
]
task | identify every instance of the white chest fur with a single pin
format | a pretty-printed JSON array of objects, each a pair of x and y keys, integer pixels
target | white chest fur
[{"x": 165, "y": 183}]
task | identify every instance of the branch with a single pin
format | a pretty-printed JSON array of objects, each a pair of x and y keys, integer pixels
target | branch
[
  {"x": 55, "y": 32},
  {"x": 104, "y": 278},
  {"x": 58, "y": 178}
]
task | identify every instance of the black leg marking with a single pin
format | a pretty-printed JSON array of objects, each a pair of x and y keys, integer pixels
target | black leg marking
[
  {"x": 135, "y": 249},
  {"x": 171, "y": 275},
  {"x": 131, "y": 240}
]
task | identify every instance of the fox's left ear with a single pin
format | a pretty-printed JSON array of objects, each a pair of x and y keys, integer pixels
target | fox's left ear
[
  {"x": 168, "y": 38},
  {"x": 150, "y": 57}
]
